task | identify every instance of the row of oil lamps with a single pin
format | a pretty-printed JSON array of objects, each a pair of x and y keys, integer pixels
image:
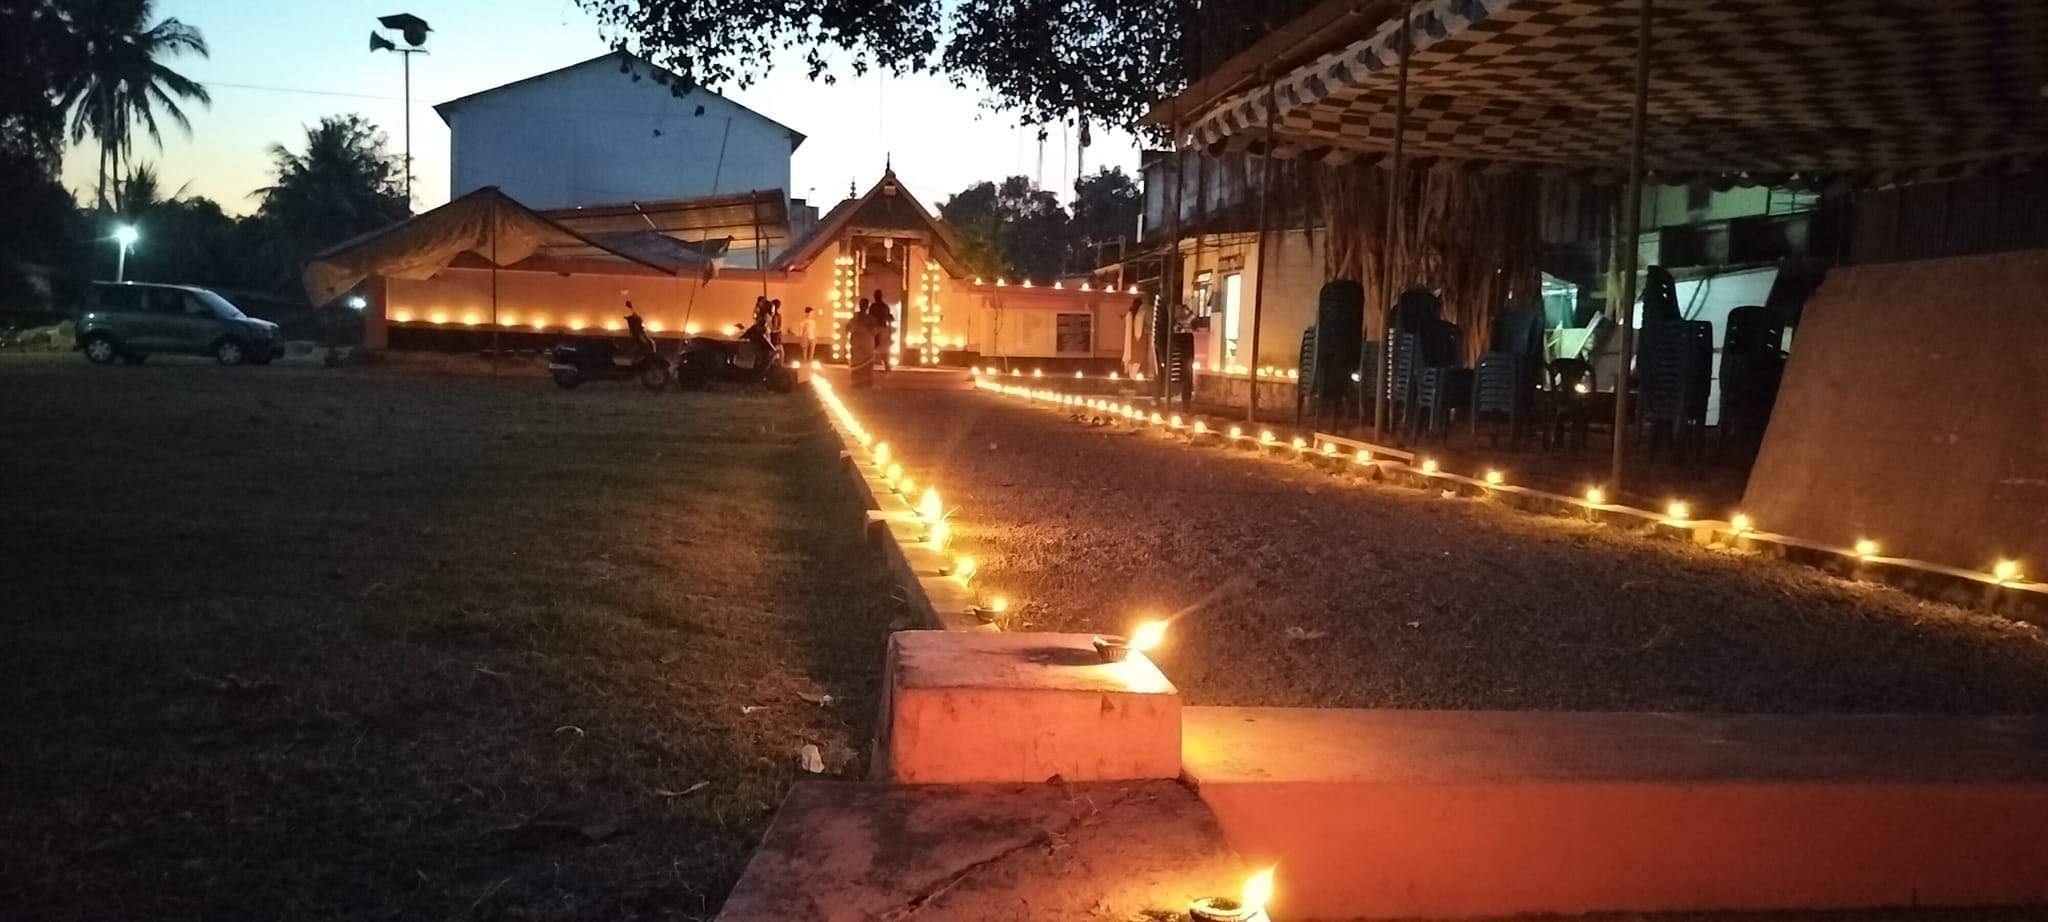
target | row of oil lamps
[
  {"x": 1676, "y": 513},
  {"x": 1249, "y": 905}
]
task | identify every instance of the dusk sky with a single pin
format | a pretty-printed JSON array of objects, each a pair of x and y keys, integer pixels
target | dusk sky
[{"x": 278, "y": 67}]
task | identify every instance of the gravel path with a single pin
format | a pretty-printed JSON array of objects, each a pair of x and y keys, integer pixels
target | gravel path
[{"x": 1420, "y": 601}]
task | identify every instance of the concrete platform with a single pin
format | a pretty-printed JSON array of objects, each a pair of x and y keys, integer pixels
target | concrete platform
[
  {"x": 1376, "y": 814},
  {"x": 845, "y": 852},
  {"x": 968, "y": 707}
]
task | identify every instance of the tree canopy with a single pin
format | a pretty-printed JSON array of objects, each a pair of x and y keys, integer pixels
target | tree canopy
[
  {"x": 1092, "y": 61},
  {"x": 1014, "y": 230}
]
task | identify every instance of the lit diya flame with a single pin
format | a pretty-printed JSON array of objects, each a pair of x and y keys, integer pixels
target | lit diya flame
[
  {"x": 1738, "y": 523},
  {"x": 963, "y": 567},
  {"x": 1248, "y": 906},
  {"x": 929, "y": 505},
  {"x": 1679, "y": 511},
  {"x": 882, "y": 453},
  {"x": 939, "y": 534},
  {"x": 1114, "y": 648},
  {"x": 1866, "y": 547},
  {"x": 2005, "y": 571},
  {"x": 991, "y": 611}
]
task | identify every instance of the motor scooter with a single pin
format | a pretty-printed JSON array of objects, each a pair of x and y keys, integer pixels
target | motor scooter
[
  {"x": 751, "y": 359},
  {"x": 598, "y": 359}
]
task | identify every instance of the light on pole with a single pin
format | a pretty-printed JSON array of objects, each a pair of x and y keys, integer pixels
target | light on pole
[
  {"x": 414, "y": 31},
  {"x": 357, "y": 302},
  {"x": 125, "y": 236}
]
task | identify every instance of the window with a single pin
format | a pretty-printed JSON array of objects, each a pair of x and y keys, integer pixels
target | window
[
  {"x": 1233, "y": 302},
  {"x": 117, "y": 298},
  {"x": 1074, "y": 334},
  {"x": 1204, "y": 280}
]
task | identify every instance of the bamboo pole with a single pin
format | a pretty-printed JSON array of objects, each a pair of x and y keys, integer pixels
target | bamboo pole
[
  {"x": 1266, "y": 260},
  {"x": 1632, "y": 219},
  {"x": 1383, "y": 376}
]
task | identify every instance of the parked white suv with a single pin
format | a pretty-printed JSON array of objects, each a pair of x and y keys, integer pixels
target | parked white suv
[{"x": 130, "y": 320}]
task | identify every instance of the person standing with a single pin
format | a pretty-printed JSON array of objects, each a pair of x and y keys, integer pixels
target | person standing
[
  {"x": 807, "y": 330},
  {"x": 885, "y": 331}
]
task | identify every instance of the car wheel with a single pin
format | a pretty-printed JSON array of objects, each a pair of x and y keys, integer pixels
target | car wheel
[
  {"x": 101, "y": 349},
  {"x": 567, "y": 380},
  {"x": 230, "y": 352},
  {"x": 654, "y": 376},
  {"x": 134, "y": 358}
]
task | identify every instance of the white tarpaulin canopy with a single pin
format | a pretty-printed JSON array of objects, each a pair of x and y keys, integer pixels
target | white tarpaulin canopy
[{"x": 486, "y": 223}]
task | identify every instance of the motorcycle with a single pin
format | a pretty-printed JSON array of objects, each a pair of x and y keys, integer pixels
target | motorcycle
[
  {"x": 597, "y": 359},
  {"x": 751, "y": 359}
]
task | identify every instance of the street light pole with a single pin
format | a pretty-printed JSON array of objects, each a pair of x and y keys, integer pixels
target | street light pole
[
  {"x": 124, "y": 237},
  {"x": 413, "y": 30}
]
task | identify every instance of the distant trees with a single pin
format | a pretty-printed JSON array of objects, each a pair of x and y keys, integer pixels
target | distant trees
[
  {"x": 1017, "y": 231},
  {"x": 341, "y": 184},
  {"x": 118, "y": 77}
]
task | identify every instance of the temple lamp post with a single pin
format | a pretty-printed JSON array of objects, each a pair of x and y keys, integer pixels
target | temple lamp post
[
  {"x": 125, "y": 237},
  {"x": 414, "y": 31}
]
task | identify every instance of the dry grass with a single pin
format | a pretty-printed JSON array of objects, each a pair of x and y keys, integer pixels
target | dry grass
[
  {"x": 1301, "y": 589},
  {"x": 293, "y": 643}
]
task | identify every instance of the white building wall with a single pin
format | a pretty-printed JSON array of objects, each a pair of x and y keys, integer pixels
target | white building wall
[{"x": 591, "y": 135}]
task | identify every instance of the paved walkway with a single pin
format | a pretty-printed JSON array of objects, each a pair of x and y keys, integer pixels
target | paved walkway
[{"x": 1300, "y": 589}]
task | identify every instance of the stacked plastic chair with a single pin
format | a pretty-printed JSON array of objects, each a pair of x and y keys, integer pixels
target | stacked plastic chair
[{"x": 1504, "y": 380}]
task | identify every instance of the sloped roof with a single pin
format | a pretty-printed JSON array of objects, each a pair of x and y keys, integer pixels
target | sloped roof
[
  {"x": 704, "y": 217},
  {"x": 886, "y": 206},
  {"x": 621, "y": 60},
  {"x": 1876, "y": 91},
  {"x": 486, "y": 224}
]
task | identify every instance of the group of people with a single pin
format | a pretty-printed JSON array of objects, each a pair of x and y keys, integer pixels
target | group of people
[{"x": 872, "y": 328}]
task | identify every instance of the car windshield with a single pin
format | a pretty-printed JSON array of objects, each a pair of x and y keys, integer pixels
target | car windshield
[{"x": 219, "y": 304}]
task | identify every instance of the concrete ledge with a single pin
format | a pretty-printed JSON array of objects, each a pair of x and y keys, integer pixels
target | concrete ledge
[
  {"x": 1473, "y": 814},
  {"x": 857, "y": 852},
  {"x": 997, "y": 707}
]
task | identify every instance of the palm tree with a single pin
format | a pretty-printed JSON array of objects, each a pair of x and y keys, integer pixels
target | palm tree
[{"x": 124, "y": 79}]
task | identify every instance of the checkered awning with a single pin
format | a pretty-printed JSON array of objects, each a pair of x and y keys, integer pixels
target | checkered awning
[{"x": 1757, "y": 90}]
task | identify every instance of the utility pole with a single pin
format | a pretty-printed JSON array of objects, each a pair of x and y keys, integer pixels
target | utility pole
[{"x": 414, "y": 31}]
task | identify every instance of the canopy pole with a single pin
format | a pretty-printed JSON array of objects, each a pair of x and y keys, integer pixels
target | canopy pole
[
  {"x": 1266, "y": 260},
  {"x": 494, "y": 301},
  {"x": 1170, "y": 297},
  {"x": 1631, "y": 239},
  {"x": 1383, "y": 374}
]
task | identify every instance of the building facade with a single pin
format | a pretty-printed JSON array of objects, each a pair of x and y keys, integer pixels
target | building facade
[{"x": 615, "y": 128}]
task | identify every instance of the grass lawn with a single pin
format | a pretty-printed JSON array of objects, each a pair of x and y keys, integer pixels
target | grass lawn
[{"x": 298, "y": 643}]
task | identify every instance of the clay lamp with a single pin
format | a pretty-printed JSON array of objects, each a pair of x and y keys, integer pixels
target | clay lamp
[
  {"x": 991, "y": 611},
  {"x": 1248, "y": 906},
  {"x": 1115, "y": 648}
]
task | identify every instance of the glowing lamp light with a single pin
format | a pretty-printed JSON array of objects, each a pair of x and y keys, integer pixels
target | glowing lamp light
[
  {"x": 1596, "y": 496},
  {"x": 1174, "y": 421},
  {"x": 1582, "y": 388},
  {"x": 882, "y": 453},
  {"x": 1738, "y": 523},
  {"x": 1237, "y": 432},
  {"x": 1148, "y": 635},
  {"x": 1299, "y": 443},
  {"x": 1429, "y": 465},
  {"x": 1678, "y": 511},
  {"x": 576, "y": 324},
  {"x": 1016, "y": 372},
  {"x": 1257, "y": 890},
  {"x": 892, "y": 473},
  {"x": 438, "y": 317},
  {"x": 690, "y": 329},
  {"x": 1077, "y": 376},
  {"x": 2005, "y": 571},
  {"x": 539, "y": 322},
  {"x": 1201, "y": 428},
  {"x": 1038, "y": 372},
  {"x": 817, "y": 365},
  {"x": 1157, "y": 419},
  {"x": 1495, "y": 478},
  {"x": 1113, "y": 376},
  {"x": 1329, "y": 449},
  {"x": 964, "y": 568},
  {"x": 939, "y": 534},
  {"x": 1266, "y": 437},
  {"x": 1865, "y": 547},
  {"x": 402, "y": 316},
  {"x": 906, "y": 486},
  {"x": 1355, "y": 378},
  {"x": 929, "y": 505},
  {"x": 1364, "y": 457},
  {"x": 611, "y": 324}
]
